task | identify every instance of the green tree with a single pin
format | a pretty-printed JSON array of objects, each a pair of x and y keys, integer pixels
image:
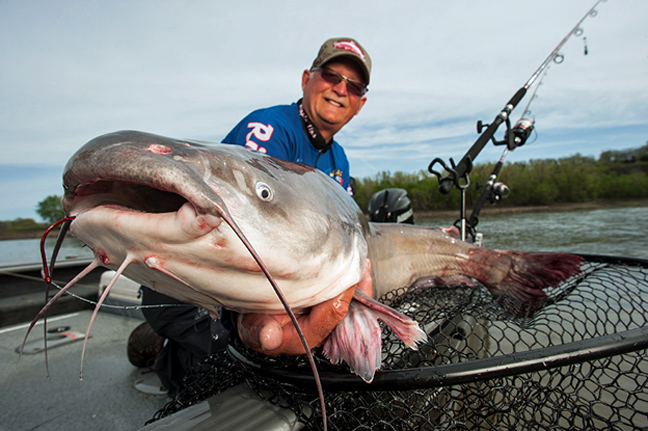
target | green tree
[
  {"x": 615, "y": 175},
  {"x": 51, "y": 209}
]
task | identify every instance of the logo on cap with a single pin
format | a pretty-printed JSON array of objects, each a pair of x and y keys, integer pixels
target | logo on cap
[{"x": 350, "y": 46}]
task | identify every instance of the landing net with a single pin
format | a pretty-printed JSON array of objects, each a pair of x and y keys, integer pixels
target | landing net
[{"x": 578, "y": 363}]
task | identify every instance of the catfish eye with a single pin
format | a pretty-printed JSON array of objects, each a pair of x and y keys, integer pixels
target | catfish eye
[{"x": 264, "y": 192}]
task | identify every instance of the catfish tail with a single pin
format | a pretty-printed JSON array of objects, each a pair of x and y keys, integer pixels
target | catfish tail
[{"x": 522, "y": 289}]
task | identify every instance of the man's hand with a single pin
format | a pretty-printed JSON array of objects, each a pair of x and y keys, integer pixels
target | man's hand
[{"x": 276, "y": 335}]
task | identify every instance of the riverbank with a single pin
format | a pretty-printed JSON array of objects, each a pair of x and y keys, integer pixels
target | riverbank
[{"x": 488, "y": 209}]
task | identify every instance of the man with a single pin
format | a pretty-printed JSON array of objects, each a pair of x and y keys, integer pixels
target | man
[{"x": 334, "y": 91}]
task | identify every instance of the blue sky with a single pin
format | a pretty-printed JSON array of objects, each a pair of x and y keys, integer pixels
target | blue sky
[{"x": 72, "y": 70}]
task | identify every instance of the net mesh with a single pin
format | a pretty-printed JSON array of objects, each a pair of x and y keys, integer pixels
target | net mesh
[{"x": 467, "y": 327}]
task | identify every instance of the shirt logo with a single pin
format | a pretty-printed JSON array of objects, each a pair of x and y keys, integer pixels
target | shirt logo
[
  {"x": 337, "y": 176},
  {"x": 260, "y": 131}
]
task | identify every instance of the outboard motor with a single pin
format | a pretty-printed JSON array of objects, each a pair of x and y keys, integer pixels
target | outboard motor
[{"x": 391, "y": 206}]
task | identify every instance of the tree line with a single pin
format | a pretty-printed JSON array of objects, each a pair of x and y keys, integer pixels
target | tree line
[{"x": 615, "y": 175}]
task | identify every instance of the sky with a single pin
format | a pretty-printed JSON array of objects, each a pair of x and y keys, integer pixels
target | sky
[{"x": 71, "y": 70}]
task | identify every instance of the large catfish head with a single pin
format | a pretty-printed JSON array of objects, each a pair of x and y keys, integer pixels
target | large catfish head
[{"x": 171, "y": 207}]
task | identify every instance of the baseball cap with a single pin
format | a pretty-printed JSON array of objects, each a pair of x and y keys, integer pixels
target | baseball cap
[{"x": 344, "y": 46}]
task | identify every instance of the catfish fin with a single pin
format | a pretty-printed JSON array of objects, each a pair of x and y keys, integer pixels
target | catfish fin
[{"x": 357, "y": 340}]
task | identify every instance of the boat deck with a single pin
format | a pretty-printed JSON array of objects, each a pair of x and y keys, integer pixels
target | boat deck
[{"x": 106, "y": 399}]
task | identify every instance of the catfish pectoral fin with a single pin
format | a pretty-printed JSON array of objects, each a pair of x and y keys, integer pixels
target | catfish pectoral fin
[
  {"x": 405, "y": 328},
  {"x": 357, "y": 339}
]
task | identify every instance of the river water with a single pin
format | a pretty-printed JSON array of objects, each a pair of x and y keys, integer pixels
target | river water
[
  {"x": 19, "y": 251},
  {"x": 614, "y": 232},
  {"x": 610, "y": 231}
]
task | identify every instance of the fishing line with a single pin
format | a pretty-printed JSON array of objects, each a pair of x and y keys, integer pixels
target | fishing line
[
  {"x": 30, "y": 277},
  {"x": 114, "y": 306}
]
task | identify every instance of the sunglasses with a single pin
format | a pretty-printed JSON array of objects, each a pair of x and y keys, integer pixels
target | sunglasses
[{"x": 355, "y": 88}]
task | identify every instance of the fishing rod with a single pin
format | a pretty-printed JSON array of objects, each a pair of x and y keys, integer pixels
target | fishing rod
[{"x": 516, "y": 136}]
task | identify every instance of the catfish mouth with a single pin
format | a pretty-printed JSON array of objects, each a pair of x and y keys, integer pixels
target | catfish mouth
[
  {"x": 141, "y": 209},
  {"x": 138, "y": 172},
  {"x": 125, "y": 196}
]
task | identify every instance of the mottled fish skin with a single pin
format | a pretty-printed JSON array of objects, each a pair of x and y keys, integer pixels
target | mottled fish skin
[{"x": 161, "y": 202}]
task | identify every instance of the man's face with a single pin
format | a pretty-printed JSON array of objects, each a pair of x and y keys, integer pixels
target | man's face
[{"x": 331, "y": 106}]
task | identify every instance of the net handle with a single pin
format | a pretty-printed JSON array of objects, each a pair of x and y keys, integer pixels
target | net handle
[{"x": 464, "y": 372}]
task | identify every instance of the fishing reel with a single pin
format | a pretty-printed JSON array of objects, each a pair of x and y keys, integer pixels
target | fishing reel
[
  {"x": 491, "y": 191},
  {"x": 500, "y": 191},
  {"x": 515, "y": 136},
  {"x": 496, "y": 191},
  {"x": 518, "y": 135}
]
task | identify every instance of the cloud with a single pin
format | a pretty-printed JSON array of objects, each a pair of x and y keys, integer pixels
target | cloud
[{"x": 192, "y": 70}]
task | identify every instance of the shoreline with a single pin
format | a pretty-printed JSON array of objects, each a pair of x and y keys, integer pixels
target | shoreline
[{"x": 425, "y": 215}]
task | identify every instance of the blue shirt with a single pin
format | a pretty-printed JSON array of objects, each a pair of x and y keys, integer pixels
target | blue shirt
[{"x": 278, "y": 132}]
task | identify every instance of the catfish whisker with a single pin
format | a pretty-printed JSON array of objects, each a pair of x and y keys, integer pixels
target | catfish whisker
[
  {"x": 127, "y": 261},
  {"x": 94, "y": 264}
]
